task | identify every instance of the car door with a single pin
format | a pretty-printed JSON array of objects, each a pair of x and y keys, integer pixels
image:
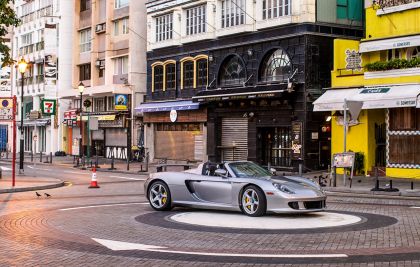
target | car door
[{"x": 213, "y": 189}]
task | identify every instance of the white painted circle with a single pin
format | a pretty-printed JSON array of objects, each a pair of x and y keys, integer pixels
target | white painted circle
[
  {"x": 273, "y": 222},
  {"x": 173, "y": 115}
]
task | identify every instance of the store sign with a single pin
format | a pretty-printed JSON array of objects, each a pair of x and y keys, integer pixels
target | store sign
[
  {"x": 353, "y": 59},
  {"x": 173, "y": 115},
  {"x": 343, "y": 160},
  {"x": 121, "y": 102},
  {"x": 48, "y": 107},
  {"x": 297, "y": 131},
  {"x": 70, "y": 118},
  {"x": 376, "y": 90},
  {"x": 5, "y": 82},
  {"x": 34, "y": 115},
  {"x": 50, "y": 66}
]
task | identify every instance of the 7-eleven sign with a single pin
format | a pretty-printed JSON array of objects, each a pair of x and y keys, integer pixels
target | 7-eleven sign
[{"x": 48, "y": 106}]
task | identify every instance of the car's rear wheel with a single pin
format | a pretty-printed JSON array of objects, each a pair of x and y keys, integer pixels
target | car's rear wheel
[
  {"x": 159, "y": 196},
  {"x": 253, "y": 201}
]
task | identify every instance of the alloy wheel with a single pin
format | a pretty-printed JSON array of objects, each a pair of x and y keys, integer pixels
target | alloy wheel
[
  {"x": 158, "y": 196},
  {"x": 250, "y": 201}
]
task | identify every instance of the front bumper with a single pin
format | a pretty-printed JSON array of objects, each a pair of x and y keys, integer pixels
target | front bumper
[{"x": 279, "y": 204}]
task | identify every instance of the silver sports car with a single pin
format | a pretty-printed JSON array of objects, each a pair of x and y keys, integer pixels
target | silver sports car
[{"x": 241, "y": 185}]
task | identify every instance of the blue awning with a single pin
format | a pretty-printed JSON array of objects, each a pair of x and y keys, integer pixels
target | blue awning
[{"x": 167, "y": 106}]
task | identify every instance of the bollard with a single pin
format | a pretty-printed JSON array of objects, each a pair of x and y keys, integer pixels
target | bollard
[
  {"x": 335, "y": 177},
  {"x": 40, "y": 156},
  {"x": 50, "y": 157},
  {"x": 7, "y": 153},
  {"x": 412, "y": 185},
  {"x": 300, "y": 169},
  {"x": 1, "y": 173},
  {"x": 96, "y": 161},
  {"x": 112, "y": 163},
  {"x": 83, "y": 163},
  {"x": 32, "y": 156},
  {"x": 376, "y": 188},
  {"x": 390, "y": 184}
]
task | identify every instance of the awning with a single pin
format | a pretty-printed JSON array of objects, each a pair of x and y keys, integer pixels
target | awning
[
  {"x": 392, "y": 43},
  {"x": 100, "y": 117},
  {"x": 373, "y": 97},
  {"x": 38, "y": 123},
  {"x": 167, "y": 106}
]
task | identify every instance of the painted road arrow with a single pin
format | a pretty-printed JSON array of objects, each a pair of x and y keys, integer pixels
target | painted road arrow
[{"x": 119, "y": 245}]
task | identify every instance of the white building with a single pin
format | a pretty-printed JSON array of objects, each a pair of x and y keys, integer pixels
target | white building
[
  {"x": 6, "y": 131},
  {"x": 42, "y": 40}
]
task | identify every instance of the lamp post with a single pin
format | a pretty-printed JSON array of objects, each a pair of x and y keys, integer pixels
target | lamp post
[
  {"x": 22, "y": 65},
  {"x": 81, "y": 89}
]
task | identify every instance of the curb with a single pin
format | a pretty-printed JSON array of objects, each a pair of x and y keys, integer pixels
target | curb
[{"x": 33, "y": 188}]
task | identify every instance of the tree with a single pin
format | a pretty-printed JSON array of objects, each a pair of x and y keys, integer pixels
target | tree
[{"x": 8, "y": 18}]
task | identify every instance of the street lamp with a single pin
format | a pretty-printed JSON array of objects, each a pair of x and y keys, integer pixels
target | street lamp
[
  {"x": 22, "y": 65},
  {"x": 81, "y": 89}
]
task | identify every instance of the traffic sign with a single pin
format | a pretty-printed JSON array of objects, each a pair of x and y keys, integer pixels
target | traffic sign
[{"x": 6, "y": 109}]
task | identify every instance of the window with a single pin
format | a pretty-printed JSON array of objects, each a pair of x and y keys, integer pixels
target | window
[
  {"x": 121, "y": 27},
  {"x": 85, "y": 40},
  {"x": 84, "y": 72},
  {"x": 276, "y": 67},
  {"x": 99, "y": 104},
  {"x": 158, "y": 78},
  {"x": 164, "y": 27},
  {"x": 84, "y": 5},
  {"x": 101, "y": 72},
  {"x": 188, "y": 74},
  {"x": 233, "y": 13},
  {"x": 201, "y": 73},
  {"x": 121, "y": 65},
  {"x": 110, "y": 105},
  {"x": 170, "y": 76},
  {"x": 393, "y": 54},
  {"x": 27, "y": 39},
  {"x": 196, "y": 20},
  {"x": 232, "y": 72},
  {"x": 275, "y": 8},
  {"x": 350, "y": 9},
  {"x": 413, "y": 52},
  {"x": 121, "y": 3}
]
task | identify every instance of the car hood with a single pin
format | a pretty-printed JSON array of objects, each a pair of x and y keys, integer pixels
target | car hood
[{"x": 294, "y": 182}]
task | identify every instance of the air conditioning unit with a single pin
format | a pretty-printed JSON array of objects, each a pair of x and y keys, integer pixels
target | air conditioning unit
[{"x": 100, "y": 28}]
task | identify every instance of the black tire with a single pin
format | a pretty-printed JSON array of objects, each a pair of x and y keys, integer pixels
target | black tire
[
  {"x": 159, "y": 196},
  {"x": 253, "y": 210}
]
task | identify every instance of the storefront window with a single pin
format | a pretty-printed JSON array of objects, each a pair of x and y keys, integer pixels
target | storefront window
[
  {"x": 232, "y": 72},
  {"x": 276, "y": 67}
]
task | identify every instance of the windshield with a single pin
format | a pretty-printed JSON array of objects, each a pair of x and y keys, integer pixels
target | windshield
[{"x": 248, "y": 169}]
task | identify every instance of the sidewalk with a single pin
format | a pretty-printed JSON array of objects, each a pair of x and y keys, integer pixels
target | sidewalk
[{"x": 27, "y": 183}]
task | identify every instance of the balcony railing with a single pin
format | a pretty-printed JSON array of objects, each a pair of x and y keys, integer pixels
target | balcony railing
[{"x": 391, "y": 3}]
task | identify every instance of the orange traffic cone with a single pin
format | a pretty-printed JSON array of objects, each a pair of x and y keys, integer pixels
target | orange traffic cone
[{"x": 94, "y": 182}]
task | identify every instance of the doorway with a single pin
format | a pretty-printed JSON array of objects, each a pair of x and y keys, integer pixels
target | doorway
[{"x": 274, "y": 146}]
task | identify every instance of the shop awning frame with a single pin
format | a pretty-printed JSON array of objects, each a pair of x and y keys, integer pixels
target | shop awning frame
[
  {"x": 389, "y": 43},
  {"x": 167, "y": 106},
  {"x": 379, "y": 97}
]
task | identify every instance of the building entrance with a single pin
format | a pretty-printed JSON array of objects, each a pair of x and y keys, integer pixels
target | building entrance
[{"x": 274, "y": 146}]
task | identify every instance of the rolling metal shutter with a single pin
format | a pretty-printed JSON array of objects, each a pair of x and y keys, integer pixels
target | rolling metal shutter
[{"x": 234, "y": 139}]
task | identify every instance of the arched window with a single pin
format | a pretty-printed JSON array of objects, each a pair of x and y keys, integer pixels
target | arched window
[
  {"x": 232, "y": 72},
  {"x": 188, "y": 74},
  {"x": 201, "y": 73},
  {"x": 170, "y": 81},
  {"x": 158, "y": 78},
  {"x": 276, "y": 67},
  {"x": 413, "y": 52}
]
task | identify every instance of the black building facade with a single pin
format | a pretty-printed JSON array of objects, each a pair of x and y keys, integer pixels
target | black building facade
[{"x": 258, "y": 92}]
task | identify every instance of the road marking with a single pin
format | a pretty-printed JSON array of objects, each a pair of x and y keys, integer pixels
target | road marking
[
  {"x": 129, "y": 178},
  {"x": 32, "y": 167},
  {"x": 6, "y": 168},
  {"x": 415, "y": 207},
  {"x": 118, "y": 245},
  {"x": 105, "y": 205},
  {"x": 71, "y": 172}
]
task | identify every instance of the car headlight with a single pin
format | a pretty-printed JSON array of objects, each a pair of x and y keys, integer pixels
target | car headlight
[{"x": 283, "y": 188}]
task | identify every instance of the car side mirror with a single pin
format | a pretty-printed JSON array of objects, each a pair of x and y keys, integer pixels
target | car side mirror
[
  {"x": 220, "y": 172},
  {"x": 273, "y": 171}
]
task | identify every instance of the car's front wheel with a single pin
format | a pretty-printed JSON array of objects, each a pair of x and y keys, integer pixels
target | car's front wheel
[
  {"x": 159, "y": 196},
  {"x": 253, "y": 201}
]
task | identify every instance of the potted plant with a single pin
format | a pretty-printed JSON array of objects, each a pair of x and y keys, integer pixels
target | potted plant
[{"x": 359, "y": 163}]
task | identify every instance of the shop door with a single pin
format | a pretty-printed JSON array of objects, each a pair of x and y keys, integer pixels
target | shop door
[
  {"x": 380, "y": 151},
  {"x": 274, "y": 145},
  {"x": 234, "y": 144},
  {"x": 28, "y": 136}
]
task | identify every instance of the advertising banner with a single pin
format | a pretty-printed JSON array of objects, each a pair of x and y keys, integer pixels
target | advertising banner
[
  {"x": 297, "y": 131},
  {"x": 50, "y": 67},
  {"x": 121, "y": 102}
]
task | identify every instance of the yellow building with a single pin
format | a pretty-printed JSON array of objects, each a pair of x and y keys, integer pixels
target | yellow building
[{"x": 383, "y": 71}]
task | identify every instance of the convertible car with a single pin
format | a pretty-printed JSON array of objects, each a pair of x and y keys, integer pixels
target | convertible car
[{"x": 240, "y": 186}]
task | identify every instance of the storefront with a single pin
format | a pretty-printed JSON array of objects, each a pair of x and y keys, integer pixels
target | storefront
[
  {"x": 387, "y": 131},
  {"x": 175, "y": 130}
]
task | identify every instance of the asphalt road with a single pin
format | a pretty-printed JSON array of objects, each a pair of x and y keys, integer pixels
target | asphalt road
[{"x": 114, "y": 226}]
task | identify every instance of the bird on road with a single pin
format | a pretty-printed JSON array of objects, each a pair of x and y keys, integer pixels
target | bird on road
[
  {"x": 38, "y": 195},
  {"x": 47, "y": 195}
]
